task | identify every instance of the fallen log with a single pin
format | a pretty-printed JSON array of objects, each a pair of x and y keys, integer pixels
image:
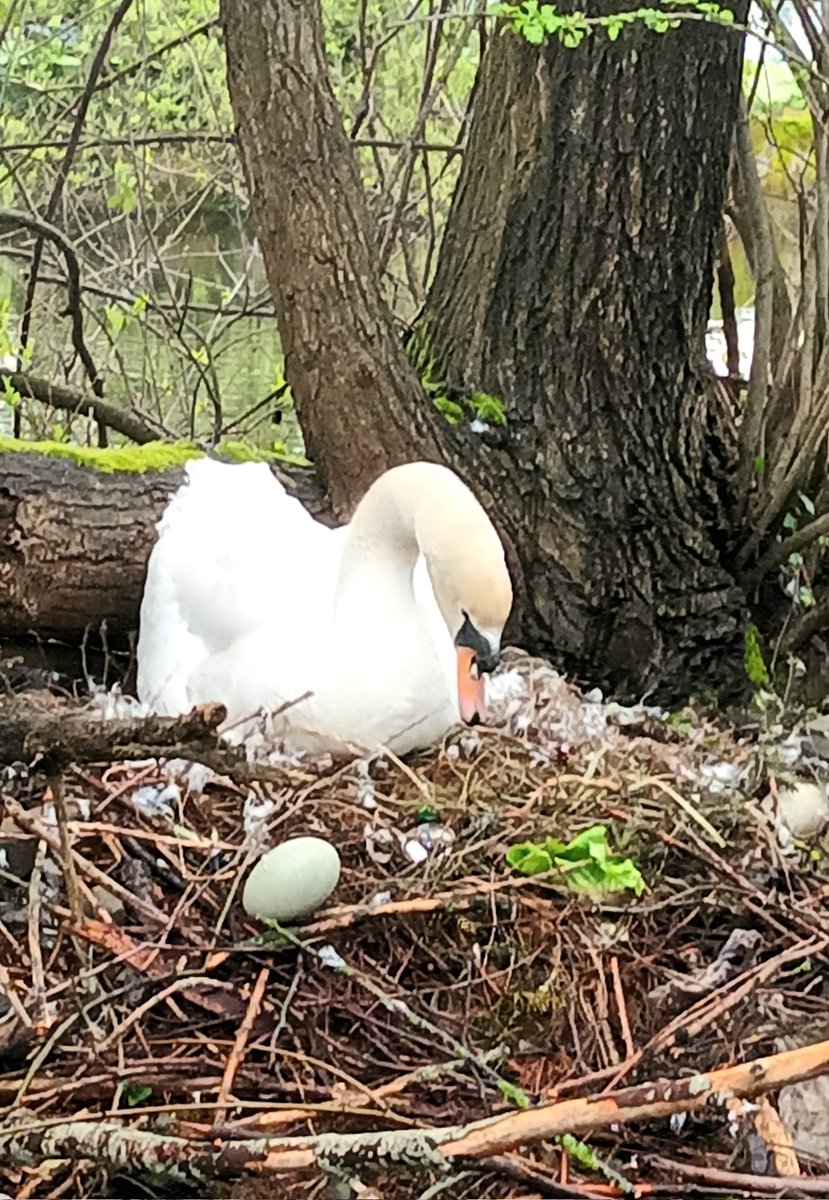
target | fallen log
[
  {"x": 52, "y": 737},
  {"x": 75, "y": 540},
  {"x": 25, "y": 1140}
]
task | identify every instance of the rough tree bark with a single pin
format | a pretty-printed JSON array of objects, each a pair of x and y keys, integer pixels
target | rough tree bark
[
  {"x": 74, "y": 544},
  {"x": 575, "y": 283}
]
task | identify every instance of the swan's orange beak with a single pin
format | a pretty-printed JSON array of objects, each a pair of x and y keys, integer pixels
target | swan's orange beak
[{"x": 471, "y": 694}]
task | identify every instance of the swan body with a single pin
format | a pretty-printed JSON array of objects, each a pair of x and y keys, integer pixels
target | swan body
[{"x": 350, "y": 632}]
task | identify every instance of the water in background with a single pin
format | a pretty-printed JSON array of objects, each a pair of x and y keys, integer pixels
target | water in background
[{"x": 150, "y": 362}]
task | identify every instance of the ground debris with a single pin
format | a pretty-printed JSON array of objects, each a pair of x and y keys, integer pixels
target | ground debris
[{"x": 440, "y": 995}]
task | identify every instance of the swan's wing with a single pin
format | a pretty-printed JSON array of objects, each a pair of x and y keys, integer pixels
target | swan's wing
[{"x": 238, "y": 563}]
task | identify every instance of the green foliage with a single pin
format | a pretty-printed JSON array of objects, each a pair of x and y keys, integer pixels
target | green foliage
[
  {"x": 579, "y": 1152},
  {"x": 452, "y": 412},
  {"x": 489, "y": 408},
  {"x": 136, "y": 1094},
  {"x": 536, "y": 21},
  {"x": 587, "y": 863},
  {"x": 426, "y": 815},
  {"x": 755, "y": 664},
  {"x": 513, "y": 1094}
]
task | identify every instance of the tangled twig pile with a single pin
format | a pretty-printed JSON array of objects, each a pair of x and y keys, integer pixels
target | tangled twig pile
[{"x": 446, "y": 1027}]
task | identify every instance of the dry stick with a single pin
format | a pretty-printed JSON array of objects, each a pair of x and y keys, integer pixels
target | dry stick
[
  {"x": 73, "y": 891},
  {"x": 237, "y": 1053},
  {"x": 715, "y": 1004},
  {"x": 621, "y": 1006},
  {"x": 73, "y": 400},
  {"x": 817, "y": 1185},
  {"x": 87, "y": 869},
  {"x": 38, "y": 993},
  {"x": 178, "y": 985},
  {"x": 108, "y": 1142}
]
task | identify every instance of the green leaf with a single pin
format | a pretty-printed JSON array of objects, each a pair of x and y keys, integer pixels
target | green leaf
[
  {"x": 529, "y": 859},
  {"x": 587, "y": 863},
  {"x": 759, "y": 465},
  {"x": 514, "y": 1094},
  {"x": 137, "y": 1094},
  {"x": 790, "y": 521},
  {"x": 452, "y": 412},
  {"x": 578, "y": 1151},
  {"x": 808, "y": 504},
  {"x": 426, "y": 815}
]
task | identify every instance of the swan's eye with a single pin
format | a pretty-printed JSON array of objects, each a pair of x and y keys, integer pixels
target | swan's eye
[{"x": 485, "y": 659}]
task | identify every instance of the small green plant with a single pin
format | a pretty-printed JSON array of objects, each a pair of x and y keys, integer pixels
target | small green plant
[
  {"x": 514, "y": 1094},
  {"x": 755, "y": 664},
  {"x": 426, "y": 815},
  {"x": 489, "y": 408},
  {"x": 136, "y": 1094},
  {"x": 587, "y": 863}
]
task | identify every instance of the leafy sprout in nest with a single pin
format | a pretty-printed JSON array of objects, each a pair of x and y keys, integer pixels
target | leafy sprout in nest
[{"x": 587, "y": 863}]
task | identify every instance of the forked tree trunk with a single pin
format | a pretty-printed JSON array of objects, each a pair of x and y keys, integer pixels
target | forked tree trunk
[{"x": 575, "y": 283}]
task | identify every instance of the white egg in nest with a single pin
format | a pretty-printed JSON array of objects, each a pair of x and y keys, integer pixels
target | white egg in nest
[{"x": 292, "y": 879}]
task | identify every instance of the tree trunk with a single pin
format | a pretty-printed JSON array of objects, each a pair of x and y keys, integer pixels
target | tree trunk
[
  {"x": 357, "y": 398},
  {"x": 574, "y": 283}
]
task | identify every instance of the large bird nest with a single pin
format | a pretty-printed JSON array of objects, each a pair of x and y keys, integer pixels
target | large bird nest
[{"x": 153, "y": 1037}]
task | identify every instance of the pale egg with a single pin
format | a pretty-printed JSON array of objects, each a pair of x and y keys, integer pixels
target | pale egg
[{"x": 292, "y": 880}]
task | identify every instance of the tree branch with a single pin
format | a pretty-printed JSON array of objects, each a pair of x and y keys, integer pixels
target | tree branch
[
  {"x": 185, "y": 1159},
  {"x": 74, "y": 401},
  {"x": 54, "y": 737},
  {"x": 52, "y": 207},
  {"x": 10, "y": 218},
  {"x": 780, "y": 551}
]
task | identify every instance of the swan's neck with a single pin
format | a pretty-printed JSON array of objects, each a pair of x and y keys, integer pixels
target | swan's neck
[{"x": 378, "y": 559}]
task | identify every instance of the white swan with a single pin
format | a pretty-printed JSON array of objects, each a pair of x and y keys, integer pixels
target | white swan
[{"x": 388, "y": 622}]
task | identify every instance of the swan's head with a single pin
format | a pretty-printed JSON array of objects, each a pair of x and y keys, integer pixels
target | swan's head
[{"x": 471, "y": 583}]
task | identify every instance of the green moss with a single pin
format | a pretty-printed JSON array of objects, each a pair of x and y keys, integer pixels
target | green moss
[
  {"x": 154, "y": 456},
  {"x": 753, "y": 658}
]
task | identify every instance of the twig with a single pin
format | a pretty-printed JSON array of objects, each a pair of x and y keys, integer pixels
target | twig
[
  {"x": 107, "y": 1142},
  {"x": 621, "y": 1006},
  {"x": 87, "y": 869},
  {"x": 73, "y": 400},
  {"x": 188, "y": 983},
  {"x": 70, "y": 874},
  {"x": 816, "y": 1185},
  {"x": 37, "y": 998},
  {"x": 237, "y": 1053},
  {"x": 52, "y": 207}
]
